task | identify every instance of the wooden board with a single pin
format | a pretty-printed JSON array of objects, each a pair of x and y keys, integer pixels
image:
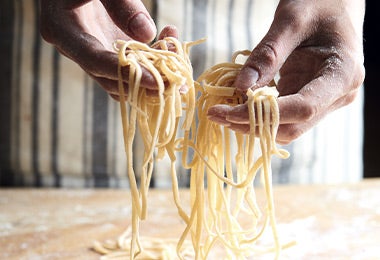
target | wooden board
[{"x": 334, "y": 222}]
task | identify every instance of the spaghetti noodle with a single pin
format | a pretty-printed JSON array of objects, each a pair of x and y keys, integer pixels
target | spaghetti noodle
[
  {"x": 216, "y": 211},
  {"x": 222, "y": 193}
]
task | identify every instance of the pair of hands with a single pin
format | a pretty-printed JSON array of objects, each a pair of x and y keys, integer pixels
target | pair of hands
[{"x": 315, "y": 45}]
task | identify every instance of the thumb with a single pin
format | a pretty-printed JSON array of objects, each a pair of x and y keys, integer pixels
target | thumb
[
  {"x": 132, "y": 18},
  {"x": 270, "y": 54}
]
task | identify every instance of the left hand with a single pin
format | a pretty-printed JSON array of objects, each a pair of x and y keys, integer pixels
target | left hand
[
  {"x": 317, "y": 48},
  {"x": 85, "y": 31}
]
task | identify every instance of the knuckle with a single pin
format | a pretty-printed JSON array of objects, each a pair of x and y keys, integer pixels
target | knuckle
[
  {"x": 349, "y": 98},
  {"x": 294, "y": 15},
  {"x": 357, "y": 71},
  {"x": 294, "y": 133},
  {"x": 308, "y": 112},
  {"x": 46, "y": 32},
  {"x": 355, "y": 61},
  {"x": 48, "y": 24},
  {"x": 353, "y": 82},
  {"x": 289, "y": 133},
  {"x": 360, "y": 76},
  {"x": 293, "y": 21},
  {"x": 265, "y": 55}
]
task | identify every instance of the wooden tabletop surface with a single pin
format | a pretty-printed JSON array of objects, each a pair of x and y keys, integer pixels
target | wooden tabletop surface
[{"x": 327, "y": 221}]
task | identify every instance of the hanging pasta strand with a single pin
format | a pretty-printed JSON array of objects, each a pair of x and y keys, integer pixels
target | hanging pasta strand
[
  {"x": 229, "y": 196},
  {"x": 224, "y": 164},
  {"x": 156, "y": 117}
]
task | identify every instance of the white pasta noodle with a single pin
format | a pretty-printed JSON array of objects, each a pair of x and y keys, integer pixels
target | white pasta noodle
[{"x": 222, "y": 183}]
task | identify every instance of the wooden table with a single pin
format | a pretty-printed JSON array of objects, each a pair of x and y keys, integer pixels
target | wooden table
[{"x": 327, "y": 221}]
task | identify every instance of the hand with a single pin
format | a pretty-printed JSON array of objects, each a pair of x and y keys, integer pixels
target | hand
[
  {"x": 85, "y": 31},
  {"x": 316, "y": 46}
]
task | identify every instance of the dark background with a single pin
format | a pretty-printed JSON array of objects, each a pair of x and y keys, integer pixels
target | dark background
[{"x": 371, "y": 90}]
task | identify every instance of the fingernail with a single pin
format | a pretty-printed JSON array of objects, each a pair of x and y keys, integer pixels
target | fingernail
[
  {"x": 247, "y": 79},
  {"x": 142, "y": 28}
]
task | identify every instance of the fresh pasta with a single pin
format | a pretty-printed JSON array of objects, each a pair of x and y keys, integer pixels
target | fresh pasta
[
  {"x": 221, "y": 181},
  {"x": 216, "y": 211},
  {"x": 156, "y": 116}
]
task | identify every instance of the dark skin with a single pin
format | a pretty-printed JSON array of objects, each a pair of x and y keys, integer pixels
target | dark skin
[
  {"x": 85, "y": 31},
  {"x": 316, "y": 46}
]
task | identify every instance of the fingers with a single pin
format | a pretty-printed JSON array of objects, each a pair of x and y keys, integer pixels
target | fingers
[
  {"x": 219, "y": 114},
  {"x": 289, "y": 28},
  {"x": 105, "y": 71},
  {"x": 236, "y": 118},
  {"x": 147, "y": 81},
  {"x": 102, "y": 64},
  {"x": 168, "y": 31},
  {"x": 88, "y": 45},
  {"x": 132, "y": 18},
  {"x": 298, "y": 114}
]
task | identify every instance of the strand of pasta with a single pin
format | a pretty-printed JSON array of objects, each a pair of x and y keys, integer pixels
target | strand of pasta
[
  {"x": 213, "y": 221},
  {"x": 156, "y": 117},
  {"x": 219, "y": 221}
]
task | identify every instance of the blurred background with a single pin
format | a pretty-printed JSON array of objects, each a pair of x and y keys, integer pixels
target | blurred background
[{"x": 40, "y": 57}]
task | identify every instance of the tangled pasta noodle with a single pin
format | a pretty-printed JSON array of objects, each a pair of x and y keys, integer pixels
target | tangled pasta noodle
[{"x": 221, "y": 183}]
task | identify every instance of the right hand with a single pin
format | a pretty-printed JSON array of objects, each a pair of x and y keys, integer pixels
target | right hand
[{"x": 317, "y": 47}]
